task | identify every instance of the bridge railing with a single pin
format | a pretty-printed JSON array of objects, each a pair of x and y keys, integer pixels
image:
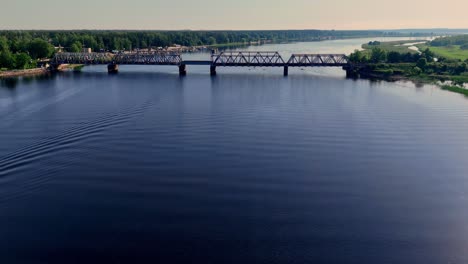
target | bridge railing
[{"x": 246, "y": 58}]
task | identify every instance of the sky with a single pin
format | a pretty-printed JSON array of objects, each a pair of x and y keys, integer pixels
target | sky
[{"x": 232, "y": 14}]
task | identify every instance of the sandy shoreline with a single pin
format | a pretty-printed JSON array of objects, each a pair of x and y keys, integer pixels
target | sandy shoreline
[
  {"x": 36, "y": 71},
  {"x": 19, "y": 73}
]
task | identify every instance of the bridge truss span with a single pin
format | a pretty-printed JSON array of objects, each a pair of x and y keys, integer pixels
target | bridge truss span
[
  {"x": 134, "y": 58},
  {"x": 148, "y": 58},
  {"x": 318, "y": 60},
  {"x": 222, "y": 59},
  {"x": 81, "y": 58},
  {"x": 248, "y": 59}
]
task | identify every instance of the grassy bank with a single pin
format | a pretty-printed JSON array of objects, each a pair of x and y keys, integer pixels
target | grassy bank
[
  {"x": 401, "y": 46},
  {"x": 455, "y": 89},
  {"x": 449, "y": 52}
]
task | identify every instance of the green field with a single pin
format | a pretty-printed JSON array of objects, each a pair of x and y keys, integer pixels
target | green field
[
  {"x": 448, "y": 52},
  {"x": 392, "y": 46}
]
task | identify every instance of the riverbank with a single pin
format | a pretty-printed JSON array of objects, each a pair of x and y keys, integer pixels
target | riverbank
[
  {"x": 411, "y": 72},
  {"x": 400, "y": 46},
  {"x": 454, "y": 52},
  {"x": 417, "y": 61},
  {"x": 455, "y": 89},
  {"x": 20, "y": 73},
  {"x": 38, "y": 71}
]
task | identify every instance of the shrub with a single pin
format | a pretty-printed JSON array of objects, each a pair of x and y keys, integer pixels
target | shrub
[
  {"x": 417, "y": 70},
  {"x": 422, "y": 62}
]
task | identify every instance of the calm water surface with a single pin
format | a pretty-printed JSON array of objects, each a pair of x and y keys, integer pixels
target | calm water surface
[{"x": 246, "y": 167}]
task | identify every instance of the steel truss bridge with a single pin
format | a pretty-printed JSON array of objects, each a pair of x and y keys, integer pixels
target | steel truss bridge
[
  {"x": 134, "y": 58},
  {"x": 222, "y": 59}
]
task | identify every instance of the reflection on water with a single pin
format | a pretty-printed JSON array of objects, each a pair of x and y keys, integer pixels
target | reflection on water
[
  {"x": 246, "y": 167},
  {"x": 9, "y": 82}
]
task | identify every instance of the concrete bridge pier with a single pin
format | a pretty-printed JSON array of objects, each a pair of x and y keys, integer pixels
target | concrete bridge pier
[
  {"x": 182, "y": 70},
  {"x": 286, "y": 71},
  {"x": 212, "y": 70},
  {"x": 54, "y": 67},
  {"x": 352, "y": 71},
  {"x": 112, "y": 68},
  {"x": 351, "y": 74}
]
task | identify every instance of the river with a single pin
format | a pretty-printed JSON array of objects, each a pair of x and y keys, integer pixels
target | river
[{"x": 247, "y": 167}]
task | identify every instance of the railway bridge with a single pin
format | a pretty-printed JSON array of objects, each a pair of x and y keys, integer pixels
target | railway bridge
[{"x": 222, "y": 59}]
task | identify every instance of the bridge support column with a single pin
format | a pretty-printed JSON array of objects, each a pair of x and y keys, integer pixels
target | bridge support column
[
  {"x": 112, "y": 68},
  {"x": 54, "y": 68},
  {"x": 286, "y": 71},
  {"x": 182, "y": 70},
  {"x": 212, "y": 70},
  {"x": 352, "y": 73}
]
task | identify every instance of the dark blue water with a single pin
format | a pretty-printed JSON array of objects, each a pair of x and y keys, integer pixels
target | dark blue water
[{"x": 246, "y": 167}]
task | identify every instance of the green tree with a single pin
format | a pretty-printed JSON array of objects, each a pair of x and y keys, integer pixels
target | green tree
[
  {"x": 428, "y": 54},
  {"x": 460, "y": 68},
  {"x": 408, "y": 57},
  {"x": 422, "y": 63},
  {"x": 76, "y": 47},
  {"x": 394, "y": 57},
  {"x": 126, "y": 44},
  {"x": 211, "y": 41},
  {"x": 7, "y": 60},
  {"x": 23, "y": 61},
  {"x": 417, "y": 70},
  {"x": 39, "y": 48},
  {"x": 357, "y": 57},
  {"x": 378, "y": 55},
  {"x": 3, "y": 44}
]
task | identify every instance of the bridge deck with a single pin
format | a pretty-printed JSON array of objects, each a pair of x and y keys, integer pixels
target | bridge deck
[{"x": 197, "y": 62}]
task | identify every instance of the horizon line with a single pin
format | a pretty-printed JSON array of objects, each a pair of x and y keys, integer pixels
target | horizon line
[{"x": 304, "y": 29}]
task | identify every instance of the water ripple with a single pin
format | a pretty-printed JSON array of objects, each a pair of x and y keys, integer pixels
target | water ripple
[{"x": 41, "y": 152}]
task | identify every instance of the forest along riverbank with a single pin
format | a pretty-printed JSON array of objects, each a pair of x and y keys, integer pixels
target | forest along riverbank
[{"x": 396, "y": 61}]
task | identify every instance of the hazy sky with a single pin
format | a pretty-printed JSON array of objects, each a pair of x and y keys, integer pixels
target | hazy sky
[{"x": 232, "y": 14}]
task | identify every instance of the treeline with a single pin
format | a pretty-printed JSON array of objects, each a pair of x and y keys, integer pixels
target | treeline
[
  {"x": 23, "y": 54},
  {"x": 461, "y": 41},
  {"x": 21, "y": 49},
  {"x": 118, "y": 40},
  {"x": 378, "y": 55}
]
